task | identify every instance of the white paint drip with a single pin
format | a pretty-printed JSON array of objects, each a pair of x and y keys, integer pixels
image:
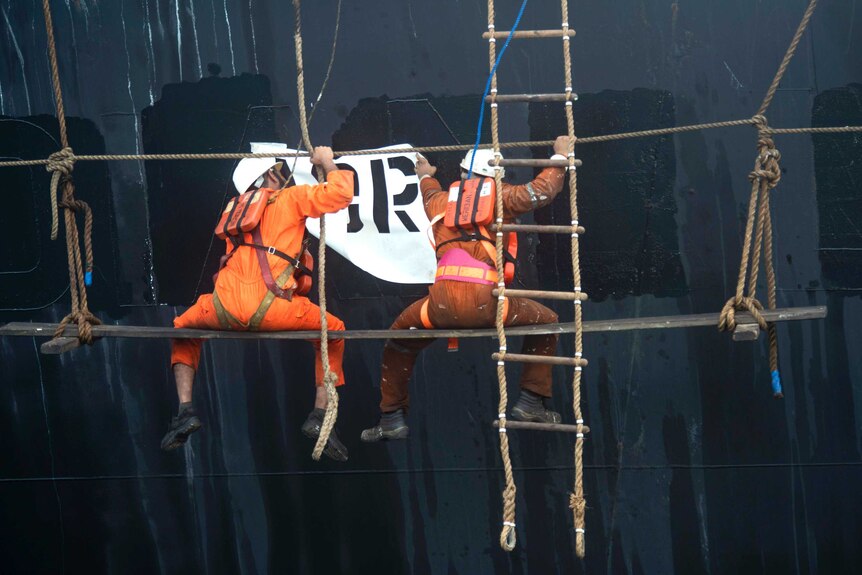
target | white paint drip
[
  {"x": 86, "y": 10},
  {"x": 229, "y": 38},
  {"x": 195, "y": 36},
  {"x": 20, "y": 61},
  {"x": 74, "y": 38},
  {"x": 253, "y": 38},
  {"x": 141, "y": 177},
  {"x": 159, "y": 20},
  {"x": 51, "y": 454},
  {"x": 734, "y": 81},
  {"x": 215, "y": 30},
  {"x": 151, "y": 56},
  {"x": 179, "y": 38}
]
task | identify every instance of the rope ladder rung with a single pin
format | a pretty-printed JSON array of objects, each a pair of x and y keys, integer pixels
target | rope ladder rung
[
  {"x": 532, "y": 163},
  {"x": 536, "y": 426},
  {"x": 539, "y": 228},
  {"x": 512, "y": 98},
  {"x": 547, "y": 359},
  {"x": 529, "y": 34},
  {"x": 543, "y": 294}
]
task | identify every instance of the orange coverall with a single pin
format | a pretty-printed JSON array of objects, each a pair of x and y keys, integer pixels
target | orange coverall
[
  {"x": 454, "y": 304},
  {"x": 240, "y": 285}
]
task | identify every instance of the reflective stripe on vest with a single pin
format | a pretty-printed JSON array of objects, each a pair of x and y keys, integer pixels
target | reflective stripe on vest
[{"x": 470, "y": 272}]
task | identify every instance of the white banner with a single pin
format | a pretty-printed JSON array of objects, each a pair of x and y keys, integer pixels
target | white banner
[{"x": 384, "y": 230}]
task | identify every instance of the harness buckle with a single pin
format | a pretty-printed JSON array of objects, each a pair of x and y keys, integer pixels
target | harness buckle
[{"x": 271, "y": 250}]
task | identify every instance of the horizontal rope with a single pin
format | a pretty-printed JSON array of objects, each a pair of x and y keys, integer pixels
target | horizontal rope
[
  {"x": 241, "y": 155},
  {"x": 826, "y": 130},
  {"x": 432, "y": 149},
  {"x": 664, "y": 131}
]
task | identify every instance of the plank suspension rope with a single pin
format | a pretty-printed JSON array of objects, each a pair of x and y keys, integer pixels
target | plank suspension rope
[
  {"x": 764, "y": 178},
  {"x": 329, "y": 378},
  {"x": 60, "y": 164}
]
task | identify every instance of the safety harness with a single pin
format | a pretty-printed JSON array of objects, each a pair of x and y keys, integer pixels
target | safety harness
[
  {"x": 469, "y": 210},
  {"x": 243, "y": 215}
]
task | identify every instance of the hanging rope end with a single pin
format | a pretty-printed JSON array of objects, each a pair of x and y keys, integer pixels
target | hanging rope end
[
  {"x": 509, "y": 537},
  {"x": 777, "y": 391}
]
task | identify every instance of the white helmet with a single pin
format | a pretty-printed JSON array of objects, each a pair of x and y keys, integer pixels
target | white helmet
[
  {"x": 481, "y": 166},
  {"x": 249, "y": 170}
]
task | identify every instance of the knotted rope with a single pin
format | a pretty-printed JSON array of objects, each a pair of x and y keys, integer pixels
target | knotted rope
[
  {"x": 508, "y": 535},
  {"x": 764, "y": 177},
  {"x": 577, "y": 502},
  {"x": 60, "y": 164},
  {"x": 329, "y": 378}
]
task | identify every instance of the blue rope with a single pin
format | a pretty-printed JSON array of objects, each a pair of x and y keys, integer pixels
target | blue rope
[
  {"x": 776, "y": 384},
  {"x": 488, "y": 86}
]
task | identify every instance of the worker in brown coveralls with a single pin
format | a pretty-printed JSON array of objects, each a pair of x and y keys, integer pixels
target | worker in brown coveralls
[{"x": 462, "y": 298}]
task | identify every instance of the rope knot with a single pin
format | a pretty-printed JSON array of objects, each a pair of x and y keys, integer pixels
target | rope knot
[
  {"x": 727, "y": 319},
  {"x": 759, "y": 121},
  {"x": 60, "y": 165},
  {"x": 85, "y": 321},
  {"x": 577, "y": 504},
  {"x": 62, "y": 161}
]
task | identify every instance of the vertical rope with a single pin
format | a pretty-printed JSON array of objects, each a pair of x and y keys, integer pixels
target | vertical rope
[
  {"x": 788, "y": 56},
  {"x": 508, "y": 535},
  {"x": 576, "y": 501},
  {"x": 329, "y": 378},
  {"x": 61, "y": 164}
]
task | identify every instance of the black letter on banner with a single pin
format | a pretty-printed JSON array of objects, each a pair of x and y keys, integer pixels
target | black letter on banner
[
  {"x": 381, "y": 197},
  {"x": 354, "y": 223},
  {"x": 408, "y": 194}
]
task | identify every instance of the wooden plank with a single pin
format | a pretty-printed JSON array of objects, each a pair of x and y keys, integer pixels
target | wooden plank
[
  {"x": 529, "y": 34},
  {"x": 558, "y": 295},
  {"x": 561, "y": 427},
  {"x": 539, "y": 228},
  {"x": 506, "y": 98},
  {"x": 597, "y": 326},
  {"x": 746, "y": 332},
  {"x": 60, "y": 345},
  {"x": 551, "y": 359}
]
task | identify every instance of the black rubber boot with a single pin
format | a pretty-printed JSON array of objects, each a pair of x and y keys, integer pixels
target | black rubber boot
[
  {"x": 183, "y": 424},
  {"x": 392, "y": 426},
  {"x": 311, "y": 428},
  {"x": 532, "y": 407}
]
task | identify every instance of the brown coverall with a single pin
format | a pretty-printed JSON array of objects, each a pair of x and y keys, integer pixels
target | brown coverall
[{"x": 455, "y": 304}]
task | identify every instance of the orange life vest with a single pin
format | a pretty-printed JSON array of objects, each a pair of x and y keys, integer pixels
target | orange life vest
[
  {"x": 242, "y": 215},
  {"x": 470, "y": 209},
  {"x": 471, "y": 203}
]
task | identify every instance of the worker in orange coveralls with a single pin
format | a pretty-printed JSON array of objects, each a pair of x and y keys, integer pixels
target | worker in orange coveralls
[
  {"x": 241, "y": 289},
  {"x": 464, "y": 300}
]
